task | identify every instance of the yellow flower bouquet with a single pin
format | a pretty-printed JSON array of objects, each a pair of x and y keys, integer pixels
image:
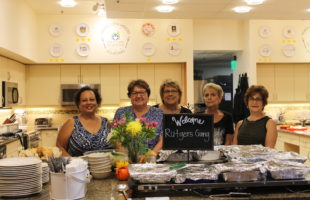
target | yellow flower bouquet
[{"x": 133, "y": 135}]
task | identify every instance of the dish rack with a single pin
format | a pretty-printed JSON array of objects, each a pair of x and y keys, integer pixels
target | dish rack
[{"x": 6, "y": 128}]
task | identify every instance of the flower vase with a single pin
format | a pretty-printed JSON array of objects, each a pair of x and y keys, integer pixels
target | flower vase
[{"x": 133, "y": 155}]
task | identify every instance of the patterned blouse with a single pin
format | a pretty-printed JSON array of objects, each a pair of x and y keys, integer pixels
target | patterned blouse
[
  {"x": 81, "y": 140},
  {"x": 154, "y": 114}
]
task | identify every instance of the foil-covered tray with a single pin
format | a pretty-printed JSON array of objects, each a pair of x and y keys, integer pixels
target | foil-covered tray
[
  {"x": 196, "y": 172},
  {"x": 287, "y": 170},
  {"x": 151, "y": 173},
  {"x": 243, "y": 176}
]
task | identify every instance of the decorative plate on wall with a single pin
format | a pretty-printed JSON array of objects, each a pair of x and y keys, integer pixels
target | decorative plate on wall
[
  {"x": 289, "y": 32},
  {"x": 174, "y": 30},
  {"x": 289, "y": 50},
  {"x": 56, "y": 50},
  {"x": 82, "y": 30},
  {"x": 55, "y": 30},
  {"x": 264, "y": 31},
  {"x": 265, "y": 50},
  {"x": 148, "y": 49},
  {"x": 174, "y": 48},
  {"x": 83, "y": 49},
  {"x": 148, "y": 29}
]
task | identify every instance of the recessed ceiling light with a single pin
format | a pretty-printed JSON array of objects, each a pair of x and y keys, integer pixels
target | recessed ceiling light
[
  {"x": 164, "y": 9},
  {"x": 308, "y": 10},
  {"x": 170, "y": 1},
  {"x": 67, "y": 3},
  {"x": 254, "y": 2},
  {"x": 242, "y": 9}
]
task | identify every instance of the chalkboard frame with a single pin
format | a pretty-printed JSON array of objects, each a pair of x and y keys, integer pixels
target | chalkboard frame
[{"x": 168, "y": 145}]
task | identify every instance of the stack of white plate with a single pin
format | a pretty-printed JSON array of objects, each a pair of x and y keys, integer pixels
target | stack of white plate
[
  {"x": 45, "y": 173},
  {"x": 20, "y": 176},
  {"x": 99, "y": 165}
]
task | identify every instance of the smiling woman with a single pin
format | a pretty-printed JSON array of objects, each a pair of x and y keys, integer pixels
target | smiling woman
[{"x": 87, "y": 131}]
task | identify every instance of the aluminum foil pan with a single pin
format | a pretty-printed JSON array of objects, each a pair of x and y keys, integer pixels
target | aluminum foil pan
[
  {"x": 231, "y": 149},
  {"x": 290, "y": 157},
  {"x": 288, "y": 170},
  {"x": 151, "y": 173},
  {"x": 243, "y": 176},
  {"x": 196, "y": 172},
  {"x": 240, "y": 167}
]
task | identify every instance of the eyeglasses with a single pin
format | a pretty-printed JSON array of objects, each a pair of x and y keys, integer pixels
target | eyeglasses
[
  {"x": 170, "y": 91},
  {"x": 137, "y": 93},
  {"x": 255, "y": 99}
]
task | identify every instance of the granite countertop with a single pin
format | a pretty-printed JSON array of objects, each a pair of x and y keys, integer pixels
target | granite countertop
[{"x": 103, "y": 190}]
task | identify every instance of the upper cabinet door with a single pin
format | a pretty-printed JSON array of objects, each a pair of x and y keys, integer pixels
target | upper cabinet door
[
  {"x": 90, "y": 74},
  {"x": 70, "y": 74},
  {"x": 284, "y": 82},
  {"x": 146, "y": 72},
  {"x": 127, "y": 73},
  {"x": 43, "y": 85},
  {"x": 266, "y": 77},
  {"x": 110, "y": 84},
  {"x": 301, "y": 82},
  {"x": 17, "y": 74}
]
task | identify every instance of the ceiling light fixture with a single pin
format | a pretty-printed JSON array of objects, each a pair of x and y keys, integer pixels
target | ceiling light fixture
[
  {"x": 164, "y": 9},
  {"x": 308, "y": 10},
  {"x": 100, "y": 9},
  {"x": 170, "y": 1},
  {"x": 67, "y": 3},
  {"x": 254, "y": 2},
  {"x": 242, "y": 9}
]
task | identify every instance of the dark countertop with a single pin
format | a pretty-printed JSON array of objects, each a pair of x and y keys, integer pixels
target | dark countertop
[
  {"x": 47, "y": 128},
  {"x": 103, "y": 190}
]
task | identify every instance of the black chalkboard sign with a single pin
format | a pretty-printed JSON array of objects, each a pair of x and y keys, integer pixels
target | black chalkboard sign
[{"x": 188, "y": 132}]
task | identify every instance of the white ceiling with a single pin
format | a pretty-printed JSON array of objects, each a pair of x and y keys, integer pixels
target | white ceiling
[{"x": 185, "y": 9}]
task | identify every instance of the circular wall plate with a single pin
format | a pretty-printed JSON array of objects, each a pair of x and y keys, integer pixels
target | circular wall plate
[
  {"x": 83, "y": 49},
  {"x": 174, "y": 30},
  {"x": 148, "y": 49},
  {"x": 82, "y": 30},
  {"x": 174, "y": 48},
  {"x": 55, "y": 30},
  {"x": 56, "y": 50},
  {"x": 265, "y": 50},
  {"x": 148, "y": 29},
  {"x": 289, "y": 32},
  {"x": 289, "y": 50},
  {"x": 264, "y": 31}
]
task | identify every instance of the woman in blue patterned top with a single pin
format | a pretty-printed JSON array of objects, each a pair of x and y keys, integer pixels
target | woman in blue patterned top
[
  {"x": 87, "y": 131},
  {"x": 139, "y": 91}
]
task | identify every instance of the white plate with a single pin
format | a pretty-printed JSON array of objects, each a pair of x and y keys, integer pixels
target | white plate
[
  {"x": 55, "y": 30},
  {"x": 289, "y": 50},
  {"x": 148, "y": 49},
  {"x": 82, "y": 30},
  {"x": 19, "y": 161},
  {"x": 174, "y": 30},
  {"x": 174, "y": 48},
  {"x": 148, "y": 29},
  {"x": 83, "y": 49},
  {"x": 265, "y": 50},
  {"x": 289, "y": 32},
  {"x": 264, "y": 31},
  {"x": 56, "y": 50}
]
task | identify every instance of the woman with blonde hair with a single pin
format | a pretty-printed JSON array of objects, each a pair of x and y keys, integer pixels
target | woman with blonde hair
[
  {"x": 223, "y": 123},
  {"x": 171, "y": 94}
]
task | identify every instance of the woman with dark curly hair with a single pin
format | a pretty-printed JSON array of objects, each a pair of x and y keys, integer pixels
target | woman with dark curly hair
[
  {"x": 257, "y": 128},
  {"x": 87, "y": 131}
]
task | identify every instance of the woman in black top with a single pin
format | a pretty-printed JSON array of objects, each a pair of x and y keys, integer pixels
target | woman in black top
[
  {"x": 171, "y": 93},
  {"x": 256, "y": 128},
  {"x": 223, "y": 123}
]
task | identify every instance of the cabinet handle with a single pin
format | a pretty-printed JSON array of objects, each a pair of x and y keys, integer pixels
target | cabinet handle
[{"x": 9, "y": 76}]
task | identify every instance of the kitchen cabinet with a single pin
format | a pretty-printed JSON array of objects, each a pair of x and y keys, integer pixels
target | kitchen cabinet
[
  {"x": 43, "y": 85},
  {"x": 12, "y": 148},
  {"x": 80, "y": 74},
  {"x": 127, "y": 73},
  {"x": 285, "y": 82},
  {"x": 109, "y": 77},
  {"x": 48, "y": 138}
]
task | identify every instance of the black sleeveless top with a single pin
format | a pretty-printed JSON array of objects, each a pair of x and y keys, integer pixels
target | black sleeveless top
[{"x": 253, "y": 132}]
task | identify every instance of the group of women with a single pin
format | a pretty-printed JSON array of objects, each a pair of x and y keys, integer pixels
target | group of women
[{"x": 87, "y": 131}]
